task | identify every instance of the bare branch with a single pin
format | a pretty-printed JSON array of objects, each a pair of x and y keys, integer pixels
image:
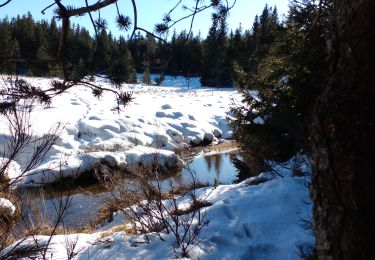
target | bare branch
[
  {"x": 135, "y": 14},
  {"x": 45, "y": 9},
  {"x": 5, "y": 3},
  {"x": 92, "y": 21},
  {"x": 84, "y": 10}
]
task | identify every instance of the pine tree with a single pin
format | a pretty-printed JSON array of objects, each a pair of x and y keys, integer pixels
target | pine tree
[
  {"x": 53, "y": 39},
  {"x": 146, "y": 77},
  {"x": 133, "y": 76},
  {"x": 186, "y": 55},
  {"x": 121, "y": 67},
  {"x": 215, "y": 61},
  {"x": 149, "y": 58},
  {"x": 173, "y": 67},
  {"x": 237, "y": 49},
  {"x": 9, "y": 49},
  {"x": 283, "y": 87},
  {"x": 40, "y": 65},
  {"x": 137, "y": 48},
  {"x": 160, "y": 79},
  {"x": 24, "y": 32},
  {"x": 101, "y": 58}
]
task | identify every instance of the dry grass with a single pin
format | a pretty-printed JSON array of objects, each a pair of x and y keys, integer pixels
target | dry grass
[
  {"x": 194, "y": 206},
  {"x": 115, "y": 147},
  {"x": 127, "y": 229},
  {"x": 219, "y": 148},
  {"x": 46, "y": 229}
]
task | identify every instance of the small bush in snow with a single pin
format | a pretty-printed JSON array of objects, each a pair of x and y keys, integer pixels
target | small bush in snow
[{"x": 160, "y": 209}]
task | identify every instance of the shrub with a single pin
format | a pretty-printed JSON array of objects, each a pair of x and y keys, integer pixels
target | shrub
[{"x": 152, "y": 208}]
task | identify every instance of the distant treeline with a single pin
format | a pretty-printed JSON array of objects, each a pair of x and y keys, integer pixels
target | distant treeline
[{"x": 31, "y": 47}]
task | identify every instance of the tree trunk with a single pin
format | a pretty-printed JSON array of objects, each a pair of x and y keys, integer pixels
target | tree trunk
[{"x": 343, "y": 136}]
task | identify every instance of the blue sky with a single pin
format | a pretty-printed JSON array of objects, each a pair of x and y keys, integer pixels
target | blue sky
[{"x": 149, "y": 12}]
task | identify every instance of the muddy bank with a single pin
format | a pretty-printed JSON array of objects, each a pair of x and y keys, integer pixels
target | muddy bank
[{"x": 223, "y": 147}]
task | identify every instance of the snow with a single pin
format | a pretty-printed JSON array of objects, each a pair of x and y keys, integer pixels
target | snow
[
  {"x": 245, "y": 222},
  {"x": 166, "y": 118},
  {"x": 12, "y": 170},
  {"x": 6, "y": 207},
  {"x": 259, "y": 218},
  {"x": 258, "y": 120},
  {"x": 284, "y": 79},
  {"x": 74, "y": 166}
]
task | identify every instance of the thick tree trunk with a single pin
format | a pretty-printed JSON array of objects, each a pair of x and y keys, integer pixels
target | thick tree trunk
[{"x": 343, "y": 187}]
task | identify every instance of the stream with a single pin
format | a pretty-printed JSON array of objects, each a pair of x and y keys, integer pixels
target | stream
[{"x": 208, "y": 170}]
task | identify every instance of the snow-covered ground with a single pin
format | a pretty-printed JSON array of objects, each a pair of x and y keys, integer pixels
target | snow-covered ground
[
  {"x": 158, "y": 121},
  {"x": 263, "y": 221},
  {"x": 246, "y": 221}
]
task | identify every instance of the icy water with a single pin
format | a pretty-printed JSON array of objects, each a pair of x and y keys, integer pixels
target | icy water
[
  {"x": 206, "y": 170},
  {"x": 209, "y": 170}
]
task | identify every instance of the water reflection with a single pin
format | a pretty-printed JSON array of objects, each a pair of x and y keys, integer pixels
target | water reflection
[
  {"x": 222, "y": 172},
  {"x": 84, "y": 205}
]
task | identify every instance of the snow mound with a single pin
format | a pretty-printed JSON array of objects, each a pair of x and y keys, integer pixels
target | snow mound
[
  {"x": 149, "y": 156},
  {"x": 74, "y": 166}
]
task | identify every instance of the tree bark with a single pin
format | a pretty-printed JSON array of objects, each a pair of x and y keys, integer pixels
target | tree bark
[{"x": 343, "y": 136}]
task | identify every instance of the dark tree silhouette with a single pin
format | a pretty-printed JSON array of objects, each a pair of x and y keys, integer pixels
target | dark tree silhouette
[{"x": 343, "y": 138}]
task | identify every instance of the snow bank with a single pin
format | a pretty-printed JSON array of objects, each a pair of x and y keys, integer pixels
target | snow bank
[
  {"x": 150, "y": 156},
  {"x": 245, "y": 222},
  {"x": 73, "y": 166},
  {"x": 162, "y": 117}
]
